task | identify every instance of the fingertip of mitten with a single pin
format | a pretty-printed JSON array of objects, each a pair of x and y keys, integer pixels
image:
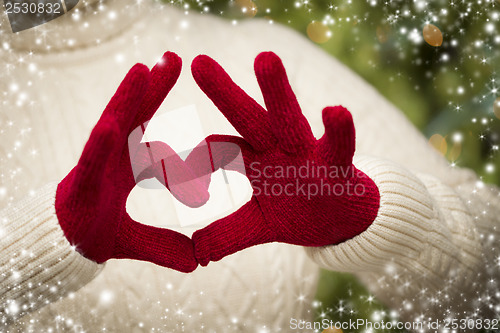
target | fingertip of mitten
[
  {"x": 339, "y": 141},
  {"x": 201, "y": 62},
  {"x": 139, "y": 70},
  {"x": 169, "y": 57},
  {"x": 201, "y": 248},
  {"x": 189, "y": 263},
  {"x": 335, "y": 115},
  {"x": 171, "y": 64},
  {"x": 268, "y": 63}
]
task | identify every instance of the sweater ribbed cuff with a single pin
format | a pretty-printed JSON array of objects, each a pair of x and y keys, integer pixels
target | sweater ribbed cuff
[{"x": 37, "y": 264}]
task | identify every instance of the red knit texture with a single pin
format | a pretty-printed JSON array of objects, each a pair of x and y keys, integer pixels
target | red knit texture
[
  {"x": 91, "y": 199},
  {"x": 329, "y": 202}
]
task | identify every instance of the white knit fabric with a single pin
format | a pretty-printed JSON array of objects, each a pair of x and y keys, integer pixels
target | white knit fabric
[{"x": 423, "y": 227}]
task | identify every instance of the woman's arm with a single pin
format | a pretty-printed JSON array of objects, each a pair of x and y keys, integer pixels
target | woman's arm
[
  {"x": 38, "y": 265},
  {"x": 68, "y": 229},
  {"x": 430, "y": 252}
]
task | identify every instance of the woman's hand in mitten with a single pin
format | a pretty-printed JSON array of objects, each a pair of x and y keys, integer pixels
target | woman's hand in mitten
[
  {"x": 91, "y": 199},
  {"x": 306, "y": 191}
]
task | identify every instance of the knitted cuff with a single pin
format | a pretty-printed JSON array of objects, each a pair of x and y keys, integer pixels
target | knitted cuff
[
  {"x": 410, "y": 232},
  {"x": 37, "y": 264}
]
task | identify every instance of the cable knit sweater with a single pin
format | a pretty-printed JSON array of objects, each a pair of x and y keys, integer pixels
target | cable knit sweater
[{"x": 431, "y": 252}]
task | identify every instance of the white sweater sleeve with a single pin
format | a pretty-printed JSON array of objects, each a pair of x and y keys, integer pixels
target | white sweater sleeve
[
  {"x": 429, "y": 252},
  {"x": 37, "y": 264}
]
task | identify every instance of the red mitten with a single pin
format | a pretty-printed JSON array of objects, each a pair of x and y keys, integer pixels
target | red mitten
[
  {"x": 306, "y": 191},
  {"x": 91, "y": 199}
]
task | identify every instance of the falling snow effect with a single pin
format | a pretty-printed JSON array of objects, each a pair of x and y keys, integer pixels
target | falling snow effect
[{"x": 472, "y": 100}]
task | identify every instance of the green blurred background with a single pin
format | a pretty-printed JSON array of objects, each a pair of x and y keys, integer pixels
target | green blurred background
[{"x": 448, "y": 91}]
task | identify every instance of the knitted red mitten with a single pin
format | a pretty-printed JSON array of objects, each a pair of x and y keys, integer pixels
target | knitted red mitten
[
  {"x": 306, "y": 191},
  {"x": 91, "y": 199}
]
